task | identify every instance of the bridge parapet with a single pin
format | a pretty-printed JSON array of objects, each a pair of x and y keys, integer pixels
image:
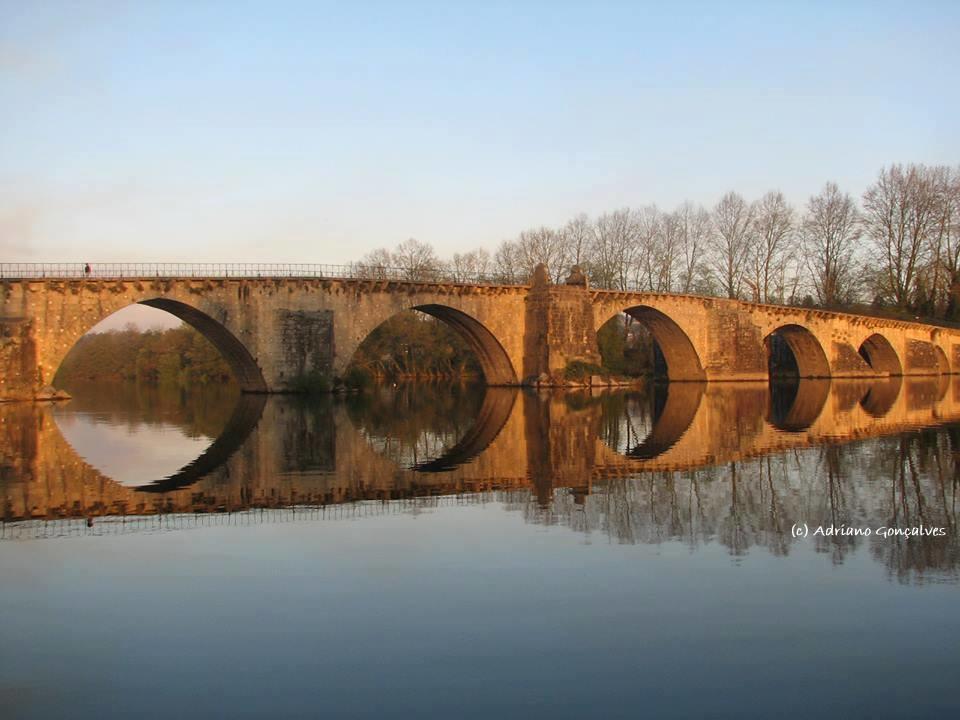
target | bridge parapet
[{"x": 147, "y": 271}]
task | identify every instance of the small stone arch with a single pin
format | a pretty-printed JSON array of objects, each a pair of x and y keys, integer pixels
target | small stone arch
[
  {"x": 879, "y": 354},
  {"x": 811, "y": 360},
  {"x": 493, "y": 358},
  {"x": 679, "y": 354}
]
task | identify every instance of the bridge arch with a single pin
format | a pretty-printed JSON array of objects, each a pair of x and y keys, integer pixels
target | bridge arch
[
  {"x": 244, "y": 366},
  {"x": 245, "y": 369},
  {"x": 679, "y": 354},
  {"x": 496, "y": 365},
  {"x": 808, "y": 354},
  {"x": 493, "y": 358},
  {"x": 880, "y": 355}
]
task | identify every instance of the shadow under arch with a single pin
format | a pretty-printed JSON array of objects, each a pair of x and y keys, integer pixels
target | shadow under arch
[
  {"x": 242, "y": 363},
  {"x": 811, "y": 360},
  {"x": 796, "y": 405},
  {"x": 245, "y": 417},
  {"x": 494, "y": 412},
  {"x": 880, "y": 355},
  {"x": 881, "y": 396},
  {"x": 679, "y": 354}
]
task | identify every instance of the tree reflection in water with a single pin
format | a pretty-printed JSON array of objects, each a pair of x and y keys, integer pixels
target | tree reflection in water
[
  {"x": 733, "y": 464},
  {"x": 905, "y": 480},
  {"x": 411, "y": 423}
]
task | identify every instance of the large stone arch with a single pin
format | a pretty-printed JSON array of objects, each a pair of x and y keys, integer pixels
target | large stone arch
[
  {"x": 880, "y": 355},
  {"x": 807, "y": 351},
  {"x": 681, "y": 357},
  {"x": 244, "y": 366},
  {"x": 494, "y": 360},
  {"x": 242, "y": 363}
]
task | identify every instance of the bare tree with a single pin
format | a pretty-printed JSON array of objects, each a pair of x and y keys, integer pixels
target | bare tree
[
  {"x": 543, "y": 245},
  {"x": 375, "y": 264},
  {"x": 576, "y": 236},
  {"x": 831, "y": 229},
  {"x": 773, "y": 248},
  {"x": 902, "y": 214},
  {"x": 645, "y": 256},
  {"x": 613, "y": 249},
  {"x": 938, "y": 277},
  {"x": 731, "y": 241},
  {"x": 950, "y": 250},
  {"x": 507, "y": 266},
  {"x": 416, "y": 260},
  {"x": 470, "y": 266},
  {"x": 669, "y": 249},
  {"x": 694, "y": 226}
]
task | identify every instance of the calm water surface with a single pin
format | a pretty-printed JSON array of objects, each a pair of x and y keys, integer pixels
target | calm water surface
[{"x": 449, "y": 552}]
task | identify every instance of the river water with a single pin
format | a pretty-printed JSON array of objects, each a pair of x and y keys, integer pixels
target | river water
[{"x": 438, "y": 551}]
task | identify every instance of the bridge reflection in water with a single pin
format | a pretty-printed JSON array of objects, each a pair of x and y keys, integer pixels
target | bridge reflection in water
[{"x": 737, "y": 464}]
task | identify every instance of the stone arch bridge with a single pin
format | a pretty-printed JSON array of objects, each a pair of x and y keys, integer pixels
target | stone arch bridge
[{"x": 274, "y": 330}]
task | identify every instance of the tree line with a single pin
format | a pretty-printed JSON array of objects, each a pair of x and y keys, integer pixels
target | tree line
[
  {"x": 176, "y": 356},
  {"x": 896, "y": 247},
  {"x": 413, "y": 346}
]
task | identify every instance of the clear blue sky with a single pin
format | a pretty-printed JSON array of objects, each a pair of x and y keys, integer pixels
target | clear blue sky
[{"x": 299, "y": 131}]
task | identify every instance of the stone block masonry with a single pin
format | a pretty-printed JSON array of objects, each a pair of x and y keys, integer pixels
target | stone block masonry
[{"x": 275, "y": 330}]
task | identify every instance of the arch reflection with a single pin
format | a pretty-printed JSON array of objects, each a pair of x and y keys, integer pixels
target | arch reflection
[
  {"x": 795, "y": 404},
  {"x": 720, "y": 444},
  {"x": 881, "y": 396},
  {"x": 494, "y": 413},
  {"x": 650, "y": 423},
  {"x": 246, "y": 414}
]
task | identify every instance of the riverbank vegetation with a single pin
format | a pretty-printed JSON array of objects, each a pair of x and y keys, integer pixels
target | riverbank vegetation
[
  {"x": 415, "y": 346},
  {"x": 174, "y": 357}
]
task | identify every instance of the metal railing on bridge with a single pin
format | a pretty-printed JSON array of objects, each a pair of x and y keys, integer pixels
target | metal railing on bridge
[{"x": 352, "y": 271}]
